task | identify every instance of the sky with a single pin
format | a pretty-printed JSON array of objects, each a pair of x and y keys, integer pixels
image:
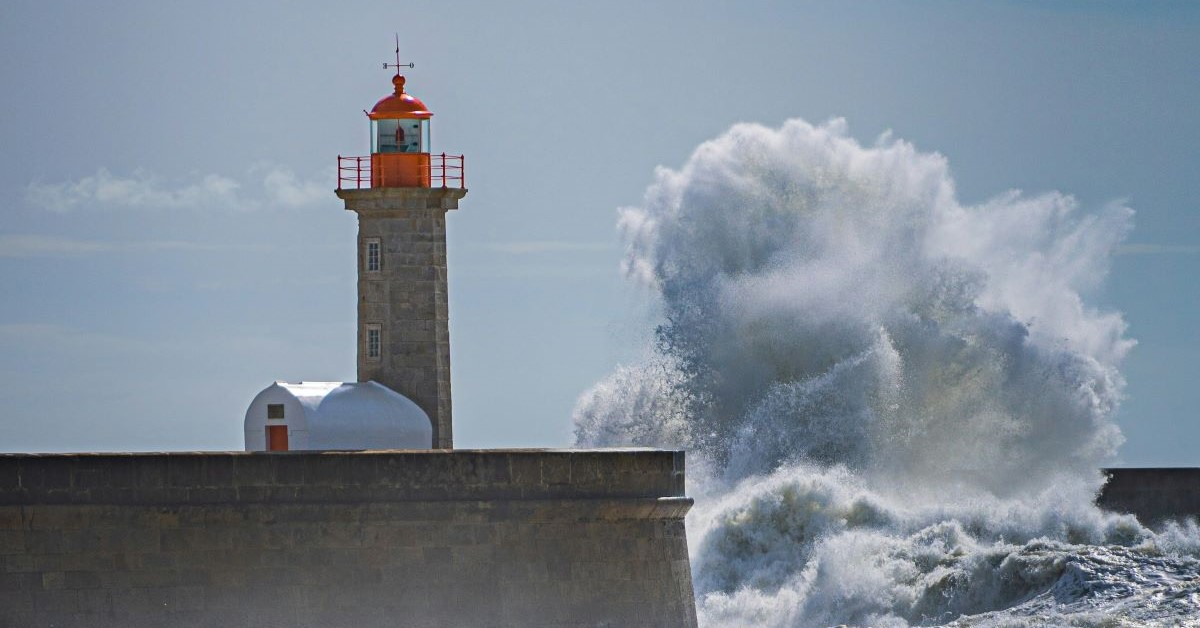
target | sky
[{"x": 170, "y": 243}]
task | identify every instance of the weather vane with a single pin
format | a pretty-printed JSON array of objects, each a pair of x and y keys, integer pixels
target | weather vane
[{"x": 398, "y": 65}]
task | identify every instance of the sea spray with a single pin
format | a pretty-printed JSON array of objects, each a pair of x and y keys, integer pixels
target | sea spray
[{"x": 896, "y": 405}]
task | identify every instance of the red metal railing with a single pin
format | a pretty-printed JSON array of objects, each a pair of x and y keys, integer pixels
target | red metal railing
[
  {"x": 354, "y": 172},
  {"x": 445, "y": 171},
  {"x": 453, "y": 171}
]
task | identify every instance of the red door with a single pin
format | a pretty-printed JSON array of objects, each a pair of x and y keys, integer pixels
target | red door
[{"x": 277, "y": 438}]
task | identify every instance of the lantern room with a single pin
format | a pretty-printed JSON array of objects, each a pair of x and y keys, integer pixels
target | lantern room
[
  {"x": 401, "y": 155},
  {"x": 399, "y": 122},
  {"x": 399, "y": 140}
]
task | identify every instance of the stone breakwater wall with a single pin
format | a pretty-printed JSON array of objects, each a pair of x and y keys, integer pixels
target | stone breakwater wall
[
  {"x": 1154, "y": 495},
  {"x": 357, "y": 539}
]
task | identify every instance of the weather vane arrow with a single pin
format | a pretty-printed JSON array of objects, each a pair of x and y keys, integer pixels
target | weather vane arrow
[{"x": 397, "y": 64}]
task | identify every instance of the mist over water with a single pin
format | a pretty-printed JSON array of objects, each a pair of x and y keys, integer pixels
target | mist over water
[{"x": 895, "y": 405}]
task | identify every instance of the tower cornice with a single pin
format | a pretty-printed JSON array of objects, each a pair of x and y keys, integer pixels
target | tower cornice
[{"x": 388, "y": 201}]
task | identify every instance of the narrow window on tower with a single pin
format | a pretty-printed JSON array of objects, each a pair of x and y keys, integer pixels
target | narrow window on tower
[
  {"x": 372, "y": 255},
  {"x": 373, "y": 342}
]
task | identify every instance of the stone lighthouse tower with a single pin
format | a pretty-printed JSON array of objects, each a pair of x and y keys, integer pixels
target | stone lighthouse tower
[{"x": 401, "y": 193}]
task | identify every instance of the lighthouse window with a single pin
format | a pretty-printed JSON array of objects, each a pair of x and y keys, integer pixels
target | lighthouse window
[
  {"x": 397, "y": 136},
  {"x": 372, "y": 258},
  {"x": 373, "y": 341},
  {"x": 274, "y": 410}
]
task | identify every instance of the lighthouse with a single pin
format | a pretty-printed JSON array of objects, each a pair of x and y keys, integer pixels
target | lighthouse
[
  {"x": 401, "y": 399},
  {"x": 401, "y": 194}
]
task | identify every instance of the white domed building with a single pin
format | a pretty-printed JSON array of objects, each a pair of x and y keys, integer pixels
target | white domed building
[{"x": 335, "y": 415}]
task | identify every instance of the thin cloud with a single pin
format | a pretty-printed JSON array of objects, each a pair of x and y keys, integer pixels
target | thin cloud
[
  {"x": 1158, "y": 249},
  {"x": 29, "y": 246},
  {"x": 547, "y": 246},
  {"x": 285, "y": 189},
  {"x": 263, "y": 187}
]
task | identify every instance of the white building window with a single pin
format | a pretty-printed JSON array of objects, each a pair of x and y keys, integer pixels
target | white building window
[
  {"x": 274, "y": 410},
  {"x": 372, "y": 255},
  {"x": 373, "y": 342}
]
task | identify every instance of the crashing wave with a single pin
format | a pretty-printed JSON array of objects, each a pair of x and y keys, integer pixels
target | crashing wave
[{"x": 896, "y": 404}]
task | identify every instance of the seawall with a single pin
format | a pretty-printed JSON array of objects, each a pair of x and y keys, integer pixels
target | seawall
[
  {"x": 1154, "y": 495},
  {"x": 362, "y": 539}
]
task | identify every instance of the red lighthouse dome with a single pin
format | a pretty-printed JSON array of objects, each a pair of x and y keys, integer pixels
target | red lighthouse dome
[{"x": 399, "y": 105}]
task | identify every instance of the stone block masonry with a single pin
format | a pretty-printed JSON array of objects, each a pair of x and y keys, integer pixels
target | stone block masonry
[
  {"x": 361, "y": 539},
  {"x": 403, "y": 295}
]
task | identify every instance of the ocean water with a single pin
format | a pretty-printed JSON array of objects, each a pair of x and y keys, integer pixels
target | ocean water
[{"x": 895, "y": 404}]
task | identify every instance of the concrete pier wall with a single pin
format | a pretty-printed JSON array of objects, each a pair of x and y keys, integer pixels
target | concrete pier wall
[
  {"x": 433, "y": 538},
  {"x": 1154, "y": 495}
]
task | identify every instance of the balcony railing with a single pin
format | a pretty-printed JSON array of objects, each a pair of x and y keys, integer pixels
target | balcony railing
[
  {"x": 354, "y": 172},
  {"x": 445, "y": 171}
]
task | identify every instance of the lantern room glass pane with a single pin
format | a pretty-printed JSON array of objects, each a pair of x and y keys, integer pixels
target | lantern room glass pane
[{"x": 399, "y": 136}]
